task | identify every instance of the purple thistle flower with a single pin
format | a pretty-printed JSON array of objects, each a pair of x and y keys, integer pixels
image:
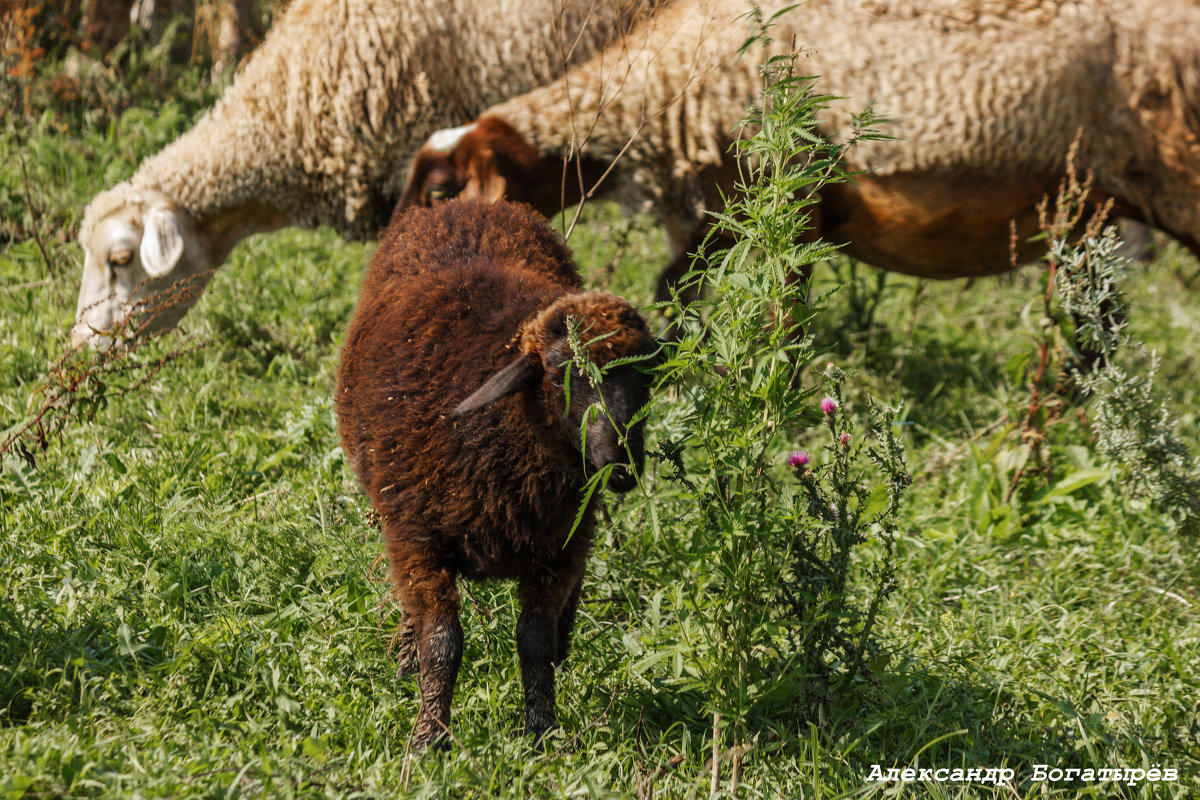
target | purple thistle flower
[
  {"x": 797, "y": 458},
  {"x": 844, "y": 439},
  {"x": 829, "y": 405}
]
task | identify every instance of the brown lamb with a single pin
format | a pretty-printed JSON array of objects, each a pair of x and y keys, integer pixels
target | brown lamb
[{"x": 453, "y": 412}]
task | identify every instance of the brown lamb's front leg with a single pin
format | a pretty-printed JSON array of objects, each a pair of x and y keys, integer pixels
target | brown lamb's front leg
[
  {"x": 429, "y": 595},
  {"x": 543, "y": 595},
  {"x": 566, "y": 620}
]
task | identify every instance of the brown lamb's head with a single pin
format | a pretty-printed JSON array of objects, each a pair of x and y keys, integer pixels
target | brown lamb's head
[{"x": 602, "y": 422}]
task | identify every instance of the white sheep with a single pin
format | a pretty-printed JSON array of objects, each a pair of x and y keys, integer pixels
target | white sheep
[
  {"x": 317, "y": 129},
  {"x": 986, "y": 97}
]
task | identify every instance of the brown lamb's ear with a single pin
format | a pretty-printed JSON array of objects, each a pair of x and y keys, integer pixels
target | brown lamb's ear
[
  {"x": 412, "y": 188},
  {"x": 517, "y": 376},
  {"x": 483, "y": 176}
]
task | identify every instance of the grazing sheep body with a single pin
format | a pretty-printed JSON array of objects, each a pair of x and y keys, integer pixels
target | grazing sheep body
[
  {"x": 452, "y": 413},
  {"x": 319, "y": 124},
  {"x": 985, "y": 98}
]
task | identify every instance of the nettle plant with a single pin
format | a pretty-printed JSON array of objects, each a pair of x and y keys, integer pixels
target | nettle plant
[{"x": 800, "y": 559}]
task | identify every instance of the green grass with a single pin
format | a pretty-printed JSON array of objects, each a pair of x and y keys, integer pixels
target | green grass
[{"x": 190, "y": 604}]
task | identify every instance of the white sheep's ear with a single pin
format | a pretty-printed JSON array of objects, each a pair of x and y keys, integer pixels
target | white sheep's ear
[
  {"x": 517, "y": 376},
  {"x": 162, "y": 243}
]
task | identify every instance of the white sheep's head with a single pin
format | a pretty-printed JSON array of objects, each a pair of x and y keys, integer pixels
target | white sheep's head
[
  {"x": 141, "y": 257},
  {"x": 600, "y": 421}
]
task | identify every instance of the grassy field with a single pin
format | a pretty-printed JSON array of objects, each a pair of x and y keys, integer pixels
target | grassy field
[{"x": 191, "y": 603}]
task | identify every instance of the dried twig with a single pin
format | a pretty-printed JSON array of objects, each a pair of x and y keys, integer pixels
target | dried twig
[
  {"x": 76, "y": 384},
  {"x": 645, "y": 787},
  {"x": 35, "y": 221},
  {"x": 1070, "y": 204}
]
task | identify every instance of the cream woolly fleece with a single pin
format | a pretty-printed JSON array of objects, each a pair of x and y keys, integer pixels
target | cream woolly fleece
[
  {"x": 322, "y": 120},
  {"x": 972, "y": 86}
]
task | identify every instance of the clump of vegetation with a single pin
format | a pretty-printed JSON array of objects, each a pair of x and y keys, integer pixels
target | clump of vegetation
[
  {"x": 82, "y": 382},
  {"x": 842, "y": 508},
  {"x": 1135, "y": 429},
  {"x": 1087, "y": 353},
  {"x": 782, "y": 552}
]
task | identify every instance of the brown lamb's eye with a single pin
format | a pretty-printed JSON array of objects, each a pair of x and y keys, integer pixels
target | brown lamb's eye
[
  {"x": 119, "y": 258},
  {"x": 439, "y": 192}
]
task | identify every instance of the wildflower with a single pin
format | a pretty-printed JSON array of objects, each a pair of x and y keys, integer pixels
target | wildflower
[
  {"x": 844, "y": 439},
  {"x": 797, "y": 458},
  {"x": 833, "y": 509},
  {"x": 829, "y": 405}
]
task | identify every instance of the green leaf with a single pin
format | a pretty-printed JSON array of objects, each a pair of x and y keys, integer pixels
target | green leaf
[
  {"x": 16, "y": 786},
  {"x": 115, "y": 463},
  {"x": 876, "y": 502},
  {"x": 1073, "y": 483},
  {"x": 315, "y": 748},
  {"x": 936, "y": 534}
]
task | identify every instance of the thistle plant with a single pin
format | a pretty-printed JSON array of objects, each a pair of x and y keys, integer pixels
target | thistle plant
[
  {"x": 782, "y": 563},
  {"x": 841, "y": 508}
]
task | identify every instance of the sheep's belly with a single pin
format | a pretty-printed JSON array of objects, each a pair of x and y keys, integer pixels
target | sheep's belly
[
  {"x": 483, "y": 557},
  {"x": 935, "y": 226}
]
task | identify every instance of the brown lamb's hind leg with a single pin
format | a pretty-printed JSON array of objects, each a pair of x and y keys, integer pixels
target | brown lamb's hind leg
[
  {"x": 407, "y": 662},
  {"x": 430, "y": 598}
]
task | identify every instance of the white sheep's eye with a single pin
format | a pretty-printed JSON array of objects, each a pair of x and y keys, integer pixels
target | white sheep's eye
[{"x": 119, "y": 258}]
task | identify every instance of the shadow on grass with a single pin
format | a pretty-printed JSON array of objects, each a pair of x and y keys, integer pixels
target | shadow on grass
[
  {"x": 929, "y": 716},
  {"x": 943, "y": 378}
]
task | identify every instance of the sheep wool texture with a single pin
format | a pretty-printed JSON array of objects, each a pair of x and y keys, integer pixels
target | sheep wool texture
[
  {"x": 442, "y": 290},
  {"x": 322, "y": 119},
  {"x": 453, "y": 411},
  {"x": 974, "y": 90}
]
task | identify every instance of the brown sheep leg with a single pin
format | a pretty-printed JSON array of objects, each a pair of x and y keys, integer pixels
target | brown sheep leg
[
  {"x": 802, "y": 276},
  {"x": 566, "y": 621},
  {"x": 105, "y": 23},
  {"x": 543, "y": 597},
  {"x": 683, "y": 242},
  {"x": 683, "y": 245},
  {"x": 431, "y": 598},
  {"x": 406, "y": 648},
  {"x": 680, "y": 265}
]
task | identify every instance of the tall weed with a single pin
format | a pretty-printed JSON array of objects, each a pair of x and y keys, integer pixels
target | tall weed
[
  {"x": 786, "y": 591},
  {"x": 1088, "y": 354}
]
